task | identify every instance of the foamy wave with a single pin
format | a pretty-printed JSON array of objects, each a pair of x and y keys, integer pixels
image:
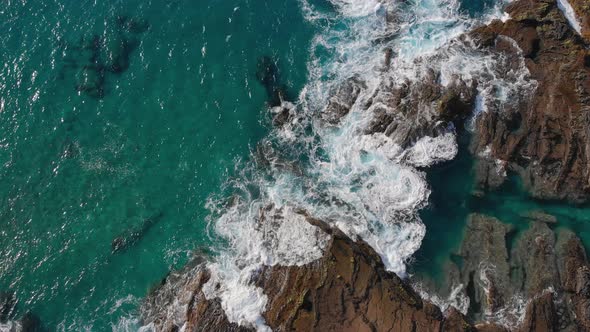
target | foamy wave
[
  {"x": 131, "y": 324},
  {"x": 357, "y": 8},
  {"x": 456, "y": 299},
  {"x": 570, "y": 15}
]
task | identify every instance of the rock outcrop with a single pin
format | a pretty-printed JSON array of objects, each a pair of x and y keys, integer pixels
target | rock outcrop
[{"x": 546, "y": 140}]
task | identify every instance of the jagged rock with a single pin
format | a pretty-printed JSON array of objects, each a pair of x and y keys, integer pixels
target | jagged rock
[
  {"x": 575, "y": 276},
  {"x": 348, "y": 289},
  {"x": 571, "y": 256},
  {"x": 409, "y": 111},
  {"x": 343, "y": 99},
  {"x": 456, "y": 321},
  {"x": 546, "y": 140}
]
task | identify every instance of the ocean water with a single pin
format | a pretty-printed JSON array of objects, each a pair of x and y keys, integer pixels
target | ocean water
[
  {"x": 136, "y": 133},
  {"x": 120, "y": 119}
]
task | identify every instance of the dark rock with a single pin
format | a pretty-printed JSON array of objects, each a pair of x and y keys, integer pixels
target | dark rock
[
  {"x": 132, "y": 236},
  {"x": 411, "y": 110},
  {"x": 132, "y": 25},
  {"x": 342, "y": 100}
]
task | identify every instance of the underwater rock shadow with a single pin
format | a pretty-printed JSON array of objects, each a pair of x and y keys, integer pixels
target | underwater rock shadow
[
  {"x": 131, "y": 237},
  {"x": 92, "y": 60}
]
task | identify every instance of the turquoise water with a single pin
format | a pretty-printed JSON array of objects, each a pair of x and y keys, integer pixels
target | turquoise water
[{"x": 120, "y": 119}]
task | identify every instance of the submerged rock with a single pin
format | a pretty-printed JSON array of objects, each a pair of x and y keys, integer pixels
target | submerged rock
[
  {"x": 268, "y": 74},
  {"x": 95, "y": 57},
  {"x": 132, "y": 236},
  {"x": 31, "y": 323}
]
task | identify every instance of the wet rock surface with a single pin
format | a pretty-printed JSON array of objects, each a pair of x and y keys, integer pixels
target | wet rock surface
[
  {"x": 544, "y": 140},
  {"x": 421, "y": 108}
]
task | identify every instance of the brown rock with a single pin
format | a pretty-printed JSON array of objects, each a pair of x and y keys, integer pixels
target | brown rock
[
  {"x": 582, "y": 10},
  {"x": 540, "y": 316},
  {"x": 455, "y": 321},
  {"x": 348, "y": 289},
  {"x": 545, "y": 140}
]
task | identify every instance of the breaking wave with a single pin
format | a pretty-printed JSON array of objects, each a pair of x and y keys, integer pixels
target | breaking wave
[{"x": 325, "y": 162}]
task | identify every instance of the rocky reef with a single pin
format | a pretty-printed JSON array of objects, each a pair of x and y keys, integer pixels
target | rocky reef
[{"x": 537, "y": 279}]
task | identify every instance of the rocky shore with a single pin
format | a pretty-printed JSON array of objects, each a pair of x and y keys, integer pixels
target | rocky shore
[{"x": 532, "y": 280}]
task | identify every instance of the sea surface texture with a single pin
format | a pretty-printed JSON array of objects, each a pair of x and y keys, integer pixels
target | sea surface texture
[{"x": 136, "y": 134}]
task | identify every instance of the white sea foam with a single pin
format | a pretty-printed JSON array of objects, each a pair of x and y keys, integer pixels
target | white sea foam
[
  {"x": 131, "y": 324},
  {"x": 570, "y": 15},
  {"x": 366, "y": 184},
  {"x": 456, "y": 299},
  {"x": 10, "y": 326}
]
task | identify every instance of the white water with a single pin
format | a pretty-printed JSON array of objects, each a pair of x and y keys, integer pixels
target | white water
[
  {"x": 367, "y": 185},
  {"x": 570, "y": 15},
  {"x": 10, "y": 326}
]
